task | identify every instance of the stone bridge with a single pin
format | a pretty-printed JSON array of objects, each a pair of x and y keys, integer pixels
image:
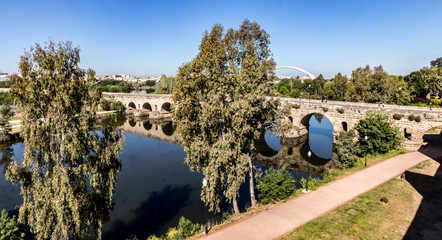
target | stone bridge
[
  {"x": 154, "y": 105},
  {"x": 343, "y": 115},
  {"x": 156, "y": 129}
]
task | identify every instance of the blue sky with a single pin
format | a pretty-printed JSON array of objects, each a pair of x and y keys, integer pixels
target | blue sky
[{"x": 144, "y": 38}]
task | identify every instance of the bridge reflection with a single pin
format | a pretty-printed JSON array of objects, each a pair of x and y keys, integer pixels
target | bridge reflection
[{"x": 293, "y": 151}]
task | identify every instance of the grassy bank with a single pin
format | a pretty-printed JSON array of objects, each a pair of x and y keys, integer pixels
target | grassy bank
[{"x": 365, "y": 217}]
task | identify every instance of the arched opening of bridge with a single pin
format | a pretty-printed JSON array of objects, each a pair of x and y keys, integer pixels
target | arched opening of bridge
[
  {"x": 165, "y": 107},
  {"x": 132, "y": 122},
  {"x": 290, "y": 119},
  {"x": 267, "y": 144},
  {"x": 131, "y": 106},
  {"x": 320, "y": 135},
  {"x": 147, "y": 107}
]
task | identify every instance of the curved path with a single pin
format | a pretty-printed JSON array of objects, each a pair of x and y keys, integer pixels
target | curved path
[{"x": 282, "y": 219}]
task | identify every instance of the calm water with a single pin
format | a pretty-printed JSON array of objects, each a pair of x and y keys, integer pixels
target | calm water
[{"x": 155, "y": 187}]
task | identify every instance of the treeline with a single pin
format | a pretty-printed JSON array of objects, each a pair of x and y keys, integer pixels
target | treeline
[
  {"x": 371, "y": 85},
  {"x": 112, "y": 85}
]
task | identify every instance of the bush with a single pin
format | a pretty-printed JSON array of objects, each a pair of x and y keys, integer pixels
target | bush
[
  {"x": 296, "y": 106},
  {"x": 187, "y": 229},
  {"x": 5, "y": 128},
  {"x": 277, "y": 184},
  {"x": 340, "y": 110},
  {"x": 117, "y": 106},
  {"x": 324, "y": 109},
  {"x": 9, "y": 228},
  {"x": 411, "y": 117},
  {"x": 417, "y": 119},
  {"x": 383, "y": 135},
  {"x": 295, "y": 93},
  {"x": 105, "y": 104},
  {"x": 283, "y": 90},
  {"x": 436, "y": 101},
  {"x": 397, "y": 116},
  {"x": 346, "y": 148}
]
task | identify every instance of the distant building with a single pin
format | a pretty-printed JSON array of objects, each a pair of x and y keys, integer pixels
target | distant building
[{"x": 4, "y": 76}]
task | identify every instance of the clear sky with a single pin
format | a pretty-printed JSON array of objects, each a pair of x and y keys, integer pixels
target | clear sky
[{"x": 146, "y": 38}]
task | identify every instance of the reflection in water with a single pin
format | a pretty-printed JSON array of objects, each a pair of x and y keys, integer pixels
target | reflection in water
[
  {"x": 321, "y": 136},
  {"x": 155, "y": 187}
]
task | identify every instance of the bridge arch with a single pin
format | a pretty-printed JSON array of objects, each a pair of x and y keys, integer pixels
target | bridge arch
[
  {"x": 131, "y": 105},
  {"x": 147, "y": 106},
  {"x": 168, "y": 128},
  {"x": 166, "y": 107},
  {"x": 306, "y": 119},
  {"x": 311, "y": 76}
]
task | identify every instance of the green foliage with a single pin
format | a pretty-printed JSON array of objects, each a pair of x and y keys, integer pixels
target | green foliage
[
  {"x": 113, "y": 85},
  {"x": 6, "y": 98},
  {"x": 117, "y": 106},
  {"x": 397, "y": 116},
  {"x": 68, "y": 173},
  {"x": 339, "y": 85},
  {"x": 187, "y": 228},
  {"x": 417, "y": 118},
  {"x": 105, "y": 104},
  {"x": 5, "y": 127},
  {"x": 150, "y": 83},
  {"x": 319, "y": 85},
  {"x": 411, "y": 117},
  {"x": 284, "y": 91},
  {"x": 9, "y": 228},
  {"x": 219, "y": 101},
  {"x": 325, "y": 109},
  {"x": 346, "y": 148},
  {"x": 5, "y": 84},
  {"x": 165, "y": 85},
  {"x": 340, "y": 110},
  {"x": 296, "y": 106},
  {"x": 436, "y": 101},
  {"x": 383, "y": 135},
  {"x": 295, "y": 93},
  {"x": 416, "y": 82},
  {"x": 276, "y": 184}
]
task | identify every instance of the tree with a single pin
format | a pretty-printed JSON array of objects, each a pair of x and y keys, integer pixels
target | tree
[
  {"x": 399, "y": 91},
  {"x": 105, "y": 104},
  {"x": 219, "y": 103},
  {"x": 165, "y": 84},
  {"x": 437, "y": 63},
  {"x": 9, "y": 228},
  {"x": 340, "y": 86},
  {"x": 416, "y": 82},
  {"x": 68, "y": 173},
  {"x": 346, "y": 148},
  {"x": 5, "y": 127},
  {"x": 359, "y": 84},
  {"x": 383, "y": 135},
  {"x": 319, "y": 85},
  {"x": 433, "y": 78}
]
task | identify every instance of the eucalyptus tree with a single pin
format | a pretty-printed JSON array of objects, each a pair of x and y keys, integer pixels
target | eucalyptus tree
[
  {"x": 340, "y": 86},
  {"x": 219, "y": 105},
  {"x": 68, "y": 173}
]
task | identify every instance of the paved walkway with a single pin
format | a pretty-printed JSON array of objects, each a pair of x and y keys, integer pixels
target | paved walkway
[{"x": 284, "y": 218}]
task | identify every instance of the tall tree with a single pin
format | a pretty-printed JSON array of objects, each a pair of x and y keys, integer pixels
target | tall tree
[
  {"x": 437, "y": 63},
  {"x": 340, "y": 86},
  {"x": 5, "y": 126},
  {"x": 359, "y": 84},
  {"x": 433, "y": 78},
  {"x": 416, "y": 81},
  {"x": 319, "y": 85},
  {"x": 219, "y": 104},
  {"x": 68, "y": 173}
]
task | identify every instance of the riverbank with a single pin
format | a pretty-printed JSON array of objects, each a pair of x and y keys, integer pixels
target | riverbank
[{"x": 276, "y": 221}]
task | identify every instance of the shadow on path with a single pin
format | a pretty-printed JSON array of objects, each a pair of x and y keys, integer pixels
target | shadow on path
[{"x": 427, "y": 224}]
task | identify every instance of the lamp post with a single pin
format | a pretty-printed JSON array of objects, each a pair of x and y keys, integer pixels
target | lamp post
[
  {"x": 397, "y": 100},
  {"x": 309, "y": 154},
  {"x": 205, "y": 210},
  {"x": 366, "y": 138}
]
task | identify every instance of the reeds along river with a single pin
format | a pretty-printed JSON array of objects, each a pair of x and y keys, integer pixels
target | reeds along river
[{"x": 155, "y": 187}]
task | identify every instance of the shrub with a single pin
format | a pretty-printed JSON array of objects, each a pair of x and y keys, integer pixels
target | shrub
[
  {"x": 295, "y": 93},
  {"x": 105, "y": 104},
  {"x": 277, "y": 184},
  {"x": 187, "y": 228},
  {"x": 9, "y": 228},
  {"x": 411, "y": 117},
  {"x": 296, "y": 106},
  {"x": 283, "y": 90},
  {"x": 436, "y": 101},
  {"x": 340, "y": 110},
  {"x": 324, "y": 109},
  {"x": 397, "y": 116},
  {"x": 383, "y": 135},
  {"x": 417, "y": 118},
  {"x": 346, "y": 148},
  {"x": 5, "y": 128},
  {"x": 117, "y": 106}
]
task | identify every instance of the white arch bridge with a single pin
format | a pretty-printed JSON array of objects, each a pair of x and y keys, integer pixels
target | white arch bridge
[{"x": 311, "y": 76}]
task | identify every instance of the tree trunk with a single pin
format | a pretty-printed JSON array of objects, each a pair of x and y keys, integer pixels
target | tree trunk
[
  {"x": 235, "y": 206},
  {"x": 252, "y": 185}
]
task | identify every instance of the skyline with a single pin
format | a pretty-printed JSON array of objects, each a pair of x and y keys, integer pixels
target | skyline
[{"x": 150, "y": 38}]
